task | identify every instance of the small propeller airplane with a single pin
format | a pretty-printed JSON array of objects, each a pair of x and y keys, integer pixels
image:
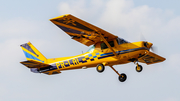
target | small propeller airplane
[{"x": 106, "y": 50}]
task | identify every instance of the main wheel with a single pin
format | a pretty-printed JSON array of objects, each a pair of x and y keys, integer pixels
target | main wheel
[
  {"x": 100, "y": 68},
  {"x": 123, "y": 77},
  {"x": 139, "y": 68}
]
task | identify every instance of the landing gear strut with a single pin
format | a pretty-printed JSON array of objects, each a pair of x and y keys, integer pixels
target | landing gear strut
[{"x": 122, "y": 77}]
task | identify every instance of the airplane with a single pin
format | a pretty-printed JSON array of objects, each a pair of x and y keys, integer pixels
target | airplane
[{"x": 106, "y": 50}]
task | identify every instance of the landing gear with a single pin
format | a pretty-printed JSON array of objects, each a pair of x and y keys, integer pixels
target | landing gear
[
  {"x": 100, "y": 68},
  {"x": 122, "y": 77},
  {"x": 139, "y": 68}
]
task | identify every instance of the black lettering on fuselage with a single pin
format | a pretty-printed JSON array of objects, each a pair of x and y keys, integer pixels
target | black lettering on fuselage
[
  {"x": 73, "y": 61},
  {"x": 58, "y": 65},
  {"x": 68, "y": 63},
  {"x": 62, "y": 65}
]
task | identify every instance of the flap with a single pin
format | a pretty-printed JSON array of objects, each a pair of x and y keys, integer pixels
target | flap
[
  {"x": 34, "y": 64},
  {"x": 80, "y": 30},
  {"x": 151, "y": 58}
]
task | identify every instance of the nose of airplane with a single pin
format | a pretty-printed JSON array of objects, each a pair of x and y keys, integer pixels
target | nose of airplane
[{"x": 147, "y": 44}]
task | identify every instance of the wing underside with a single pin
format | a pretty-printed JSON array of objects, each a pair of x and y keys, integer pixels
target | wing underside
[
  {"x": 80, "y": 30},
  {"x": 151, "y": 58}
]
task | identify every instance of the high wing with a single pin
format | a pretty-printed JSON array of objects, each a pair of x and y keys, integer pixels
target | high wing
[
  {"x": 80, "y": 30},
  {"x": 151, "y": 58}
]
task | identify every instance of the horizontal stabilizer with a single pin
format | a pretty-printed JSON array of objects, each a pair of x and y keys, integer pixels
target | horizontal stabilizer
[
  {"x": 151, "y": 58},
  {"x": 34, "y": 64}
]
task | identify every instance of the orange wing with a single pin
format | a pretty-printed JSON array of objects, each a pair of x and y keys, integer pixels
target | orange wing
[{"x": 80, "y": 30}]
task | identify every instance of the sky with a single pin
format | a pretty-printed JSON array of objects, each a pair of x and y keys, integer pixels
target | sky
[{"x": 157, "y": 21}]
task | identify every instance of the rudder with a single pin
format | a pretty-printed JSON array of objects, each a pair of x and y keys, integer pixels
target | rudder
[{"x": 32, "y": 53}]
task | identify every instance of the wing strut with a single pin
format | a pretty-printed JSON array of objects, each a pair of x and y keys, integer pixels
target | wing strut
[{"x": 105, "y": 41}]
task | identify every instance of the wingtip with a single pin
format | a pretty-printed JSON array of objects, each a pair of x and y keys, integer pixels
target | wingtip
[{"x": 59, "y": 17}]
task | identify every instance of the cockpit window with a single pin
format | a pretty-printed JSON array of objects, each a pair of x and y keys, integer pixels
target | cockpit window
[
  {"x": 91, "y": 49},
  {"x": 104, "y": 46},
  {"x": 121, "y": 41}
]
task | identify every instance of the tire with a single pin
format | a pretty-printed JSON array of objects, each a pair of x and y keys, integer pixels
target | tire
[
  {"x": 139, "y": 68},
  {"x": 123, "y": 77},
  {"x": 100, "y": 68}
]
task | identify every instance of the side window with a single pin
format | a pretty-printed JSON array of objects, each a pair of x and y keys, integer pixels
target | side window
[{"x": 104, "y": 46}]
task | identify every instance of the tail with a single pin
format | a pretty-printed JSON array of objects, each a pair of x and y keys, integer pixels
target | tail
[{"x": 32, "y": 53}]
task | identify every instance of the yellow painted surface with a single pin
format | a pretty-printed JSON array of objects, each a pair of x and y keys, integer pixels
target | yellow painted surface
[{"x": 89, "y": 34}]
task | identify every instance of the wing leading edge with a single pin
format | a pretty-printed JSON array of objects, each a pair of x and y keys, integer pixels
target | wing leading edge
[{"x": 80, "y": 30}]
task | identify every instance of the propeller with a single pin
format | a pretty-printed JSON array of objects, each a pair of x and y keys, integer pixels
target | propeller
[{"x": 152, "y": 48}]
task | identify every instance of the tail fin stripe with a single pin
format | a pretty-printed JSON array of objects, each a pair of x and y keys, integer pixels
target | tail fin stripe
[
  {"x": 26, "y": 46},
  {"x": 31, "y": 56}
]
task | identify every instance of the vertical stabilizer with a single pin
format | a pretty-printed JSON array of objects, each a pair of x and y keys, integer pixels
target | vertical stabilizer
[{"x": 32, "y": 53}]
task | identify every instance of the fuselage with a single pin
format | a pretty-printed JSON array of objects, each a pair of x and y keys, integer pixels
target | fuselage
[{"x": 99, "y": 53}]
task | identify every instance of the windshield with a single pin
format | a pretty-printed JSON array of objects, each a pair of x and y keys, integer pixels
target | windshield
[
  {"x": 121, "y": 41},
  {"x": 91, "y": 49}
]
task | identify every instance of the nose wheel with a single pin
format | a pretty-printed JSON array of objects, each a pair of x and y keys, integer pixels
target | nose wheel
[{"x": 139, "y": 68}]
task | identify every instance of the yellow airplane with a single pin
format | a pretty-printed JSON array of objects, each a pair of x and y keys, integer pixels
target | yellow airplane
[{"x": 106, "y": 50}]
